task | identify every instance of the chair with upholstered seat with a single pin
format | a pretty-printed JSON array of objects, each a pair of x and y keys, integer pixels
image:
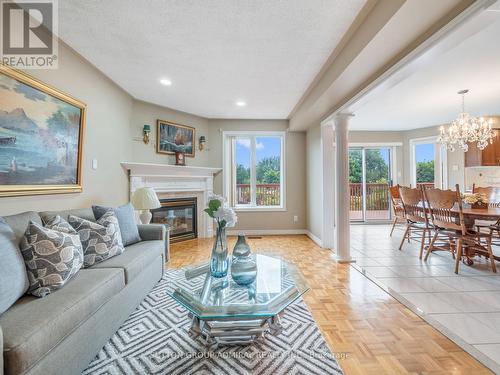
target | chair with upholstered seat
[{"x": 451, "y": 223}]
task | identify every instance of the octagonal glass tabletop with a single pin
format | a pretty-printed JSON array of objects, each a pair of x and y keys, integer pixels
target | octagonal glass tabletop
[{"x": 276, "y": 286}]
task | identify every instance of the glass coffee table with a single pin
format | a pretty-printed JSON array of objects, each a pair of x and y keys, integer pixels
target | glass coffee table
[{"x": 224, "y": 312}]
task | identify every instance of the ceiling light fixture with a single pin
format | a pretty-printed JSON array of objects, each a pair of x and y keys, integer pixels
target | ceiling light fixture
[
  {"x": 241, "y": 103},
  {"x": 166, "y": 82},
  {"x": 466, "y": 129}
]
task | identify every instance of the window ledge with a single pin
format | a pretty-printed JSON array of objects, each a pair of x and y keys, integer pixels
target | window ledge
[{"x": 259, "y": 209}]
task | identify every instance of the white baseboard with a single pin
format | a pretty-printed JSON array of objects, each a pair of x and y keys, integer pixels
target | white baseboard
[
  {"x": 266, "y": 232},
  {"x": 315, "y": 239}
]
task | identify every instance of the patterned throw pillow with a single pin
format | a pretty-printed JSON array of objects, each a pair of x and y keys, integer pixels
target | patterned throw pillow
[
  {"x": 51, "y": 258},
  {"x": 58, "y": 223},
  {"x": 101, "y": 240}
]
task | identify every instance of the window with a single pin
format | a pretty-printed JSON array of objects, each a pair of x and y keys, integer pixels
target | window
[
  {"x": 253, "y": 169},
  {"x": 428, "y": 163}
]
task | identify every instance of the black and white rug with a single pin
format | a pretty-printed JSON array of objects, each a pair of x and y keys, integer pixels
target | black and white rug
[{"x": 155, "y": 339}]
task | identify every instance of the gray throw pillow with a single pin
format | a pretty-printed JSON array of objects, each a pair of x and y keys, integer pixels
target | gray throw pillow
[
  {"x": 58, "y": 223},
  {"x": 101, "y": 240},
  {"x": 51, "y": 257},
  {"x": 126, "y": 219},
  {"x": 13, "y": 277}
]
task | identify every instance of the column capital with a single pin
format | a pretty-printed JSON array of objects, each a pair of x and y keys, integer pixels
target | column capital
[
  {"x": 342, "y": 121},
  {"x": 344, "y": 115}
]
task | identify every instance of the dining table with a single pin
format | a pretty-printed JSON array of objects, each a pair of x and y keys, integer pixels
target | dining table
[{"x": 472, "y": 214}]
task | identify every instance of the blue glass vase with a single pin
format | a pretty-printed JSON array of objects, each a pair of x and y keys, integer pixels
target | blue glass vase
[
  {"x": 243, "y": 265},
  {"x": 219, "y": 261}
]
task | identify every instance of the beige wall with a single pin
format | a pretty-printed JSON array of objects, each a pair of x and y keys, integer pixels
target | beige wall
[
  {"x": 113, "y": 134},
  {"x": 145, "y": 113},
  {"x": 295, "y": 174},
  {"x": 314, "y": 192},
  {"x": 106, "y": 138}
]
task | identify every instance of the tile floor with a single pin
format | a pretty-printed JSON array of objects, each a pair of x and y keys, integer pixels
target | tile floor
[{"x": 464, "y": 307}]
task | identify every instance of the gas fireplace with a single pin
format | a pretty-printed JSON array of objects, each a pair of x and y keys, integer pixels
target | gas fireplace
[{"x": 180, "y": 214}]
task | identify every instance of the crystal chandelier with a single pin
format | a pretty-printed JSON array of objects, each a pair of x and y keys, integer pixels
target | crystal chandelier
[{"x": 466, "y": 129}]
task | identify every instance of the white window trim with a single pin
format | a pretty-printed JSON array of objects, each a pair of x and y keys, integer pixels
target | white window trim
[
  {"x": 442, "y": 158},
  {"x": 227, "y": 167}
]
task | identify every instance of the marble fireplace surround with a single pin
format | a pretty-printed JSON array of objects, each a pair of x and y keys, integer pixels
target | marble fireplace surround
[{"x": 170, "y": 181}]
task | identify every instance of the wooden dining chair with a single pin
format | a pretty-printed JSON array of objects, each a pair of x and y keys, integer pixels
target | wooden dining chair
[
  {"x": 397, "y": 207},
  {"x": 415, "y": 216},
  {"x": 492, "y": 193},
  {"x": 440, "y": 204}
]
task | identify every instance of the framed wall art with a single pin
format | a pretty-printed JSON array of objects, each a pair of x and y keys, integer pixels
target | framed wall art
[
  {"x": 172, "y": 138},
  {"x": 41, "y": 137}
]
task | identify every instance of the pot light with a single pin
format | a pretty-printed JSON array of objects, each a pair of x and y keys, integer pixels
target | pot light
[
  {"x": 166, "y": 82},
  {"x": 241, "y": 103}
]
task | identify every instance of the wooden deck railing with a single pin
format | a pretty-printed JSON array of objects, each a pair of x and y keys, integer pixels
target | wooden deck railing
[
  {"x": 266, "y": 194},
  {"x": 426, "y": 185},
  {"x": 377, "y": 195}
]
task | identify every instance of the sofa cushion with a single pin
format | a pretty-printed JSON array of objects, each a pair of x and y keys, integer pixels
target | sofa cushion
[
  {"x": 126, "y": 219},
  {"x": 135, "y": 258},
  {"x": 33, "y": 326},
  {"x": 84, "y": 213},
  {"x": 101, "y": 240},
  {"x": 51, "y": 257},
  {"x": 13, "y": 277},
  {"x": 19, "y": 223}
]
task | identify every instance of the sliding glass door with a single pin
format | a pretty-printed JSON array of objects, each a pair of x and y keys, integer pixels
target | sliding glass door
[{"x": 370, "y": 178}]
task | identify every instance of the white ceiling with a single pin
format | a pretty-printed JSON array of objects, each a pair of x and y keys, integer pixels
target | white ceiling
[
  {"x": 424, "y": 93},
  {"x": 216, "y": 52}
]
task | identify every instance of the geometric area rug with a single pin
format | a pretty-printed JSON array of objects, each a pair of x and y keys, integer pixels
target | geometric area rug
[{"x": 155, "y": 339}]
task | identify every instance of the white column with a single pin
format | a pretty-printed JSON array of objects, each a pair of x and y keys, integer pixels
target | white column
[{"x": 342, "y": 197}]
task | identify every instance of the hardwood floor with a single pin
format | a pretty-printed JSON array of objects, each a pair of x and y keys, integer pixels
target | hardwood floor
[{"x": 378, "y": 334}]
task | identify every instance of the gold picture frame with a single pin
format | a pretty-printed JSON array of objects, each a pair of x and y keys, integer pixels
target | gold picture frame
[
  {"x": 167, "y": 133},
  {"x": 19, "y": 177}
]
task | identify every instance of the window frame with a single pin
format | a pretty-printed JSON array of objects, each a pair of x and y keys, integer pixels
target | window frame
[
  {"x": 440, "y": 161},
  {"x": 228, "y": 168}
]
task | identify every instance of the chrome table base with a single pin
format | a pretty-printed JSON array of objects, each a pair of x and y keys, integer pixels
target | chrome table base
[{"x": 235, "y": 332}]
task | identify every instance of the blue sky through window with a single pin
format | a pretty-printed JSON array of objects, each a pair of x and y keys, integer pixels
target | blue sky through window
[
  {"x": 424, "y": 152},
  {"x": 266, "y": 147}
]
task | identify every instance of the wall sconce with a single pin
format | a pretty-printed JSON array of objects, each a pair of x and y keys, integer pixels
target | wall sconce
[
  {"x": 202, "y": 142},
  {"x": 145, "y": 131}
]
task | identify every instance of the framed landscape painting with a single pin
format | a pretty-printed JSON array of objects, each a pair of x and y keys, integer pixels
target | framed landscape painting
[
  {"x": 41, "y": 137},
  {"x": 172, "y": 138}
]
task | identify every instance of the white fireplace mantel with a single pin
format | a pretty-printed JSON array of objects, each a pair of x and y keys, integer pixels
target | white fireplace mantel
[
  {"x": 167, "y": 170},
  {"x": 171, "y": 181}
]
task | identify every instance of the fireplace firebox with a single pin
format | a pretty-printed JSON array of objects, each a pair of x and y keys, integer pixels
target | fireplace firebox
[{"x": 180, "y": 214}]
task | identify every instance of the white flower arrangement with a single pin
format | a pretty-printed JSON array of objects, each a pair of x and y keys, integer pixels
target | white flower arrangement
[
  {"x": 475, "y": 198},
  {"x": 219, "y": 209}
]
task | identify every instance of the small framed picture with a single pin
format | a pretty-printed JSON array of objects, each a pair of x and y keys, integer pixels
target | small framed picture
[
  {"x": 179, "y": 158},
  {"x": 172, "y": 138}
]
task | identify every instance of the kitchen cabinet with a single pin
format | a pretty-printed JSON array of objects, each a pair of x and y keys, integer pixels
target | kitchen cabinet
[{"x": 490, "y": 156}]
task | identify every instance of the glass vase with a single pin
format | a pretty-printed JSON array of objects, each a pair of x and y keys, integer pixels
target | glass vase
[
  {"x": 241, "y": 249},
  {"x": 243, "y": 265},
  {"x": 219, "y": 261}
]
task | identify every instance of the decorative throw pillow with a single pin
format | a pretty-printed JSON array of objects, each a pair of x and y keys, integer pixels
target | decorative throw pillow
[
  {"x": 126, "y": 219},
  {"x": 61, "y": 225},
  {"x": 51, "y": 258},
  {"x": 13, "y": 277},
  {"x": 58, "y": 223},
  {"x": 101, "y": 240}
]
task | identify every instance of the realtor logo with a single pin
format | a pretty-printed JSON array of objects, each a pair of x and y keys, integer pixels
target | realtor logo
[{"x": 28, "y": 33}]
